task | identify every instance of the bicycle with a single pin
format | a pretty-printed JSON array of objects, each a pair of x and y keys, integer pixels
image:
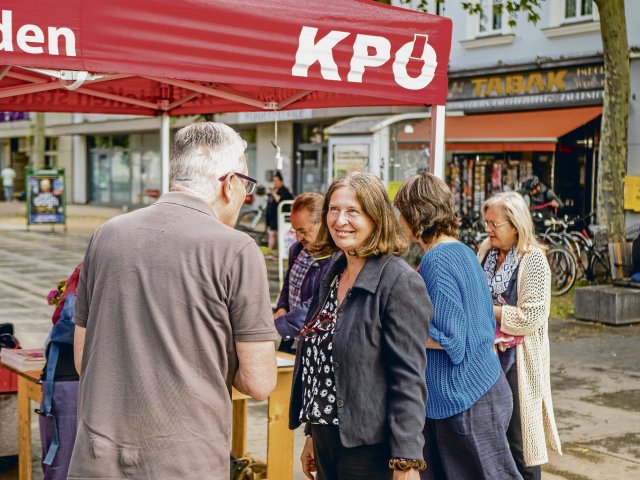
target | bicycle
[
  {"x": 563, "y": 270},
  {"x": 592, "y": 262}
]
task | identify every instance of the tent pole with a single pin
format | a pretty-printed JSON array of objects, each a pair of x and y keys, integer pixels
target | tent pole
[
  {"x": 164, "y": 151},
  {"x": 436, "y": 159}
]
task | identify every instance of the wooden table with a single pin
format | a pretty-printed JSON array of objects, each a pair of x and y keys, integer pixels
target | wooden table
[
  {"x": 279, "y": 437},
  {"x": 28, "y": 389}
]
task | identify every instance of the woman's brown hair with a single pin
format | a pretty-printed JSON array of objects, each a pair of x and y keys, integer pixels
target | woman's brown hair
[
  {"x": 387, "y": 236},
  {"x": 426, "y": 203}
]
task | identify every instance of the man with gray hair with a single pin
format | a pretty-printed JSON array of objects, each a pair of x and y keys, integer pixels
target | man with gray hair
[{"x": 172, "y": 311}]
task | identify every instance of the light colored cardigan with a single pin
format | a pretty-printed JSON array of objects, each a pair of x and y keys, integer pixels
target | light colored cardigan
[{"x": 530, "y": 318}]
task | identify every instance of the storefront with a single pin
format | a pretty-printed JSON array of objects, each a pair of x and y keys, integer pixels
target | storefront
[
  {"x": 490, "y": 153},
  {"x": 520, "y": 121}
]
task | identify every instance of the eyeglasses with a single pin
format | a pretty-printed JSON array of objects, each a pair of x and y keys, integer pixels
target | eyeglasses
[
  {"x": 321, "y": 323},
  {"x": 493, "y": 225},
  {"x": 249, "y": 185},
  {"x": 350, "y": 212}
]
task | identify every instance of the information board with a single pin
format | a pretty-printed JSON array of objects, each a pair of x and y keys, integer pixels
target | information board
[{"x": 45, "y": 196}]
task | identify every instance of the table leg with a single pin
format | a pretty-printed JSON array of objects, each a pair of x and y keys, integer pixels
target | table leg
[
  {"x": 239, "y": 428},
  {"x": 24, "y": 429},
  {"x": 279, "y": 437}
]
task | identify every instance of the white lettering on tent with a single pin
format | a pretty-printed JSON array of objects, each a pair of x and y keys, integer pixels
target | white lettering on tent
[
  {"x": 362, "y": 59},
  {"x": 30, "y": 34},
  {"x": 31, "y": 39},
  {"x": 310, "y": 52},
  {"x": 429, "y": 64},
  {"x": 69, "y": 41},
  {"x": 5, "y": 30},
  {"x": 369, "y": 51}
]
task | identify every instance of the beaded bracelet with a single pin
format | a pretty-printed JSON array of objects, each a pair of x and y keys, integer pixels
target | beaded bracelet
[{"x": 405, "y": 464}]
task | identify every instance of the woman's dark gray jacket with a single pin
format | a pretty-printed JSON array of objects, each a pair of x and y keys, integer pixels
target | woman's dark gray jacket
[{"x": 379, "y": 356}]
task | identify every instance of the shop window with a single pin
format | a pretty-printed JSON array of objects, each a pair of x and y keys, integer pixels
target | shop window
[{"x": 125, "y": 169}]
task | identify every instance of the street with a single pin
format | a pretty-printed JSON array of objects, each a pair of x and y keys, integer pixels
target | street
[{"x": 595, "y": 368}]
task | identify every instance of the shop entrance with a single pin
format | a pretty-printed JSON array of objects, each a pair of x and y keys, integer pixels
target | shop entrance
[
  {"x": 310, "y": 168},
  {"x": 124, "y": 169}
]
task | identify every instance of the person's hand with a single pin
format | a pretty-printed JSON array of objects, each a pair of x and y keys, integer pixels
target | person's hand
[
  {"x": 408, "y": 475},
  {"x": 308, "y": 460},
  {"x": 554, "y": 204},
  {"x": 280, "y": 312}
]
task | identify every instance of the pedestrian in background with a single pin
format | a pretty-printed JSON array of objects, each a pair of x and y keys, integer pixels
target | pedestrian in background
[
  {"x": 358, "y": 379},
  {"x": 8, "y": 175},
  {"x": 304, "y": 272},
  {"x": 173, "y": 310},
  {"x": 470, "y": 403},
  {"x": 541, "y": 198},
  {"x": 520, "y": 281},
  {"x": 277, "y": 193}
]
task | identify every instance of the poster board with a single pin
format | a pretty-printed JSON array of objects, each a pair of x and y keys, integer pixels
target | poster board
[
  {"x": 46, "y": 197},
  {"x": 632, "y": 193}
]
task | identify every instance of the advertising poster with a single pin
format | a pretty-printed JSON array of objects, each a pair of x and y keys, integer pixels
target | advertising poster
[{"x": 45, "y": 196}]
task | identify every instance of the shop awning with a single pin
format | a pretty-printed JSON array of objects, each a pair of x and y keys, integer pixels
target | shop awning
[
  {"x": 515, "y": 132},
  {"x": 533, "y": 131}
]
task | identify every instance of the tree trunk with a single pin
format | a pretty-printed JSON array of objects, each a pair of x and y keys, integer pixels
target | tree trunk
[
  {"x": 37, "y": 147},
  {"x": 615, "y": 118}
]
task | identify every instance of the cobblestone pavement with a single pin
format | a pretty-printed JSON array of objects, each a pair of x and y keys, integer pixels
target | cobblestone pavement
[{"x": 595, "y": 368}]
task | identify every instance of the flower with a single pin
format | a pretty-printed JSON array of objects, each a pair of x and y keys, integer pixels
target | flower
[{"x": 53, "y": 298}]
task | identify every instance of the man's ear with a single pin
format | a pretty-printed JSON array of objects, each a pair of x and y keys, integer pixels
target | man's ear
[{"x": 227, "y": 188}]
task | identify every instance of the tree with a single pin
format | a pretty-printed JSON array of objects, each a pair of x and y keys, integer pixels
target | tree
[{"x": 615, "y": 116}]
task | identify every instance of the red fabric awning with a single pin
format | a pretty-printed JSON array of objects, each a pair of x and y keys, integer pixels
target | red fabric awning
[
  {"x": 518, "y": 131},
  {"x": 205, "y": 56},
  {"x": 532, "y": 131}
]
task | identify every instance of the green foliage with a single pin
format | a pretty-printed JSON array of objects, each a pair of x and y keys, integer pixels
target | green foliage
[{"x": 512, "y": 7}]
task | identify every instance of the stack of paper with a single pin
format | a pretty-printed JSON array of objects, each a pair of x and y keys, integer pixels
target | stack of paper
[{"x": 24, "y": 359}]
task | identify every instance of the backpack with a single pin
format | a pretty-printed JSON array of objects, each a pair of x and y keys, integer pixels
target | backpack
[{"x": 61, "y": 333}]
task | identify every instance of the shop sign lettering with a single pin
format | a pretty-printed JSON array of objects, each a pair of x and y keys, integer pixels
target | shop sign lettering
[
  {"x": 535, "y": 82},
  {"x": 544, "y": 87},
  {"x": 369, "y": 52},
  {"x": 31, "y": 38}
]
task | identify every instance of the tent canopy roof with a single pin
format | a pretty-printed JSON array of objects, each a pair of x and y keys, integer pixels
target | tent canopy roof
[{"x": 205, "y": 56}]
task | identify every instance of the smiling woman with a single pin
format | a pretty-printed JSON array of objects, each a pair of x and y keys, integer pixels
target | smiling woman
[{"x": 358, "y": 380}]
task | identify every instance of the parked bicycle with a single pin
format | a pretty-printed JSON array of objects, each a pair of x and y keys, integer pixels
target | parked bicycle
[
  {"x": 251, "y": 219},
  {"x": 590, "y": 262}
]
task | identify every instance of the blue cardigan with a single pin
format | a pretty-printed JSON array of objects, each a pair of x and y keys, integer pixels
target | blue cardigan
[{"x": 464, "y": 324}]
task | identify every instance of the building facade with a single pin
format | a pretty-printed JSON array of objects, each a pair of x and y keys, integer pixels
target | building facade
[{"x": 523, "y": 100}]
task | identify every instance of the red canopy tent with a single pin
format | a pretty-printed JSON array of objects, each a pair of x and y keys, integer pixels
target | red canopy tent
[{"x": 184, "y": 57}]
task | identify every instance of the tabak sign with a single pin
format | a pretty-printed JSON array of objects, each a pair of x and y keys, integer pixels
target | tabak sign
[
  {"x": 575, "y": 85},
  {"x": 369, "y": 52},
  {"x": 45, "y": 196}
]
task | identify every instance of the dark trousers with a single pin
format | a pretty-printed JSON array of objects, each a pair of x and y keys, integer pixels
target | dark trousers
[
  {"x": 64, "y": 406},
  {"x": 472, "y": 445},
  {"x": 336, "y": 462},
  {"x": 514, "y": 432}
]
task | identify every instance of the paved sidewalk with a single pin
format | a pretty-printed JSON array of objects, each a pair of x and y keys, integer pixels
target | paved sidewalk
[{"x": 595, "y": 368}]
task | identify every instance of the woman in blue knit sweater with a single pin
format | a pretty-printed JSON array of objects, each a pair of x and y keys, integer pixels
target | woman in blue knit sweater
[{"x": 469, "y": 404}]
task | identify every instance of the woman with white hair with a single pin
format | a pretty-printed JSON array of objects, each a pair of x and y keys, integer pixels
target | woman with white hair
[{"x": 519, "y": 278}]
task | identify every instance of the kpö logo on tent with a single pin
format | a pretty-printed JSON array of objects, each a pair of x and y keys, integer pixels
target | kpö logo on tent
[{"x": 311, "y": 51}]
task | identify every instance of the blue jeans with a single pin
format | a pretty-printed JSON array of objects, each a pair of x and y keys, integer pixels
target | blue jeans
[{"x": 8, "y": 193}]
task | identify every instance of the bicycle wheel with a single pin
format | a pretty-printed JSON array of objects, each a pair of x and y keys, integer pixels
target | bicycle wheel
[
  {"x": 599, "y": 269},
  {"x": 563, "y": 270}
]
